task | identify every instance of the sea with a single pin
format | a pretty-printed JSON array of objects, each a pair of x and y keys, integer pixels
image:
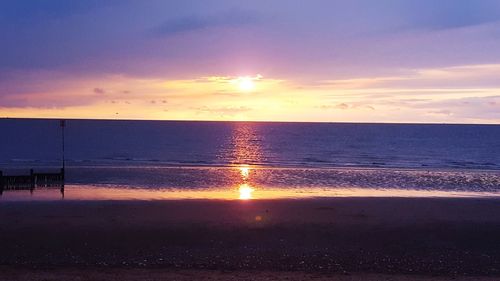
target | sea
[{"x": 313, "y": 159}]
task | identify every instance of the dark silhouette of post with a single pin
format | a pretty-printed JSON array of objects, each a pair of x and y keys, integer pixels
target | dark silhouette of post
[
  {"x": 63, "y": 125},
  {"x": 32, "y": 181}
]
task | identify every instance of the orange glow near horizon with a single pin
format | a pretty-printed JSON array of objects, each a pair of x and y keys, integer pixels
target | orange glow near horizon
[{"x": 254, "y": 97}]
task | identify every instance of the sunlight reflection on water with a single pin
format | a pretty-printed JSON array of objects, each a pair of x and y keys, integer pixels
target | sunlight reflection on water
[{"x": 245, "y": 180}]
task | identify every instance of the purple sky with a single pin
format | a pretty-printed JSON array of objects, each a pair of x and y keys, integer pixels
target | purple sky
[{"x": 380, "y": 61}]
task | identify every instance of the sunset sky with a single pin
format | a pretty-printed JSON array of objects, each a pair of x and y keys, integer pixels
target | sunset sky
[{"x": 286, "y": 60}]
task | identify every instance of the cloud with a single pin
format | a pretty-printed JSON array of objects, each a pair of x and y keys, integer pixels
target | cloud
[
  {"x": 228, "y": 110},
  {"x": 99, "y": 91},
  {"x": 425, "y": 83},
  {"x": 41, "y": 101},
  {"x": 441, "y": 112},
  {"x": 345, "y": 106},
  {"x": 233, "y": 18},
  {"x": 286, "y": 37},
  {"x": 342, "y": 106},
  {"x": 451, "y": 14},
  {"x": 472, "y": 108}
]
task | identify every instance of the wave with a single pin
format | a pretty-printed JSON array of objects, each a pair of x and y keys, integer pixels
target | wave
[{"x": 305, "y": 163}]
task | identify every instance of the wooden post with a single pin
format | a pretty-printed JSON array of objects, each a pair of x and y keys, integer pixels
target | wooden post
[
  {"x": 63, "y": 125},
  {"x": 62, "y": 182},
  {"x": 32, "y": 180}
]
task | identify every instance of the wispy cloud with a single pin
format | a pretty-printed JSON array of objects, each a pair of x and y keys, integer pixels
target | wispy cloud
[
  {"x": 100, "y": 91},
  {"x": 231, "y": 18},
  {"x": 228, "y": 110},
  {"x": 452, "y": 14}
]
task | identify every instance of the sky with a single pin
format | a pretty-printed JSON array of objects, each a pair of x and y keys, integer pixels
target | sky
[{"x": 421, "y": 61}]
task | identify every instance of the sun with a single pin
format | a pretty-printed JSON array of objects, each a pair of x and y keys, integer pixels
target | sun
[{"x": 246, "y": 83}]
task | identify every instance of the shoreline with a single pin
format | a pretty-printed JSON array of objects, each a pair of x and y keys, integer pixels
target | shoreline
[
  {"x": 394, "y": 236},
  {"x": 242, "y": 192}
]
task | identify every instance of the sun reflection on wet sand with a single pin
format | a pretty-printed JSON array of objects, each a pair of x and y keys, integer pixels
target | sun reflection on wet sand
[
  {"x": 245, "y": 192},
  {"x": 82, "y": 192},
  {"x": 243, "y": 189}
]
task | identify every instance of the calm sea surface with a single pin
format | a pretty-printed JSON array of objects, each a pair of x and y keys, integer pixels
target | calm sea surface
[{"x": 200, "y": 155}]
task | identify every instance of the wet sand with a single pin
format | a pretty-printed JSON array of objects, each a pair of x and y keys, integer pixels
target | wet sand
[{"x": 378, "y": 238}]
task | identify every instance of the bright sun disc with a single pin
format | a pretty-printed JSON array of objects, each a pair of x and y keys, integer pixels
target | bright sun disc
[{"x": 246, "y": 84}]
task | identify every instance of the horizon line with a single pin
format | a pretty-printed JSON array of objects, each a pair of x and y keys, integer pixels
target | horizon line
[{"x": 249, "y": 121}]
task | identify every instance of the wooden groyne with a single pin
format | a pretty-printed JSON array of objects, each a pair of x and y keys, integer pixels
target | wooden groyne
[
  {"x": 32, "y": 180},
  {"x": 36, "y": 179}
]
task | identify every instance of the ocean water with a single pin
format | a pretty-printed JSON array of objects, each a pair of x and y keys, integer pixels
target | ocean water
[{"x": 204, "y": 155}]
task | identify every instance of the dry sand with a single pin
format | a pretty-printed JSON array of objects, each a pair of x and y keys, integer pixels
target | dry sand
[
  {"x": 99, "y": 274},
  {"x": 367, "y": 238}
]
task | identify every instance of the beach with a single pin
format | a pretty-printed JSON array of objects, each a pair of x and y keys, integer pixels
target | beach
[
  {"x": 251, "y": 201},
  {"x": 347, "y": 238},
  {"x": 250, "y": 140}
]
